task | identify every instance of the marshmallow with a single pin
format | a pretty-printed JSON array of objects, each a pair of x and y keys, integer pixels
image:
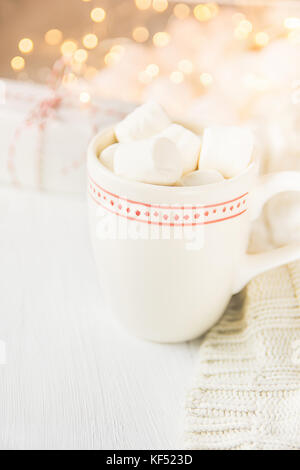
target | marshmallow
[
  {"x": 226, "y": 149},
  {"x": 144, "y": 122},
  {"x": 107, "y": 156},
  {"x": 200, "y": 177},
  {"x": 155, "y": 161},
  {"x": 188, "y": 144}
]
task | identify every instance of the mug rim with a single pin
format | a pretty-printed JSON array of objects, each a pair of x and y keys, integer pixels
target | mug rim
[{"x": 93, "y": 158}]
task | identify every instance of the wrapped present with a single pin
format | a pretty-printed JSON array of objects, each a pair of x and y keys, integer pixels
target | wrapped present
[{"x": 44, "y": 134}]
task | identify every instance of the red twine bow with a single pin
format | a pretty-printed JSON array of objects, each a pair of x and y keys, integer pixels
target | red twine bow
[{"x": 40, "y": 115}]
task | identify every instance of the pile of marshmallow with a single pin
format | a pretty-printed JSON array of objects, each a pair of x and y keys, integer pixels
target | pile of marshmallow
[{"x": 152, "y": 149}]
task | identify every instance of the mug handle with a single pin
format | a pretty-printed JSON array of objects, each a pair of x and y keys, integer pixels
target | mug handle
[{"x": 268, "y": 186}]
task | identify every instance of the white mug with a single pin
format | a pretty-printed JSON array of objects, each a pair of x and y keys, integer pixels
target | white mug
[{"x": 170, "y": 258}]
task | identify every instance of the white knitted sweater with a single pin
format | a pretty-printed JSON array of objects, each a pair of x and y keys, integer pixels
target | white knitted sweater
[{"x": 246, "y": 393}]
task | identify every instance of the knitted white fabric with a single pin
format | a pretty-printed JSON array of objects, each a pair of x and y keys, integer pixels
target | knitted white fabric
[{"x": 246, "y": 393}]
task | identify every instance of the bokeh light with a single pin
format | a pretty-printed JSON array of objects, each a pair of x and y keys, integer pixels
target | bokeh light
[
  {"x": 140, "y": 34},
  {"x": 118, "y": 49},
  {"x": 17, "y": 63},
  {"x": 68, "y": 47},
  {"x": 206, "y": 79},
  {"x": 81, "y": 56},
  {"x": 202, "y": 13},
  {"x": 90, "y": 41},
  {"x": 177, "y": 77},
  {"x": 186, "y": 66},
  {"x": 25, "y": 45},
  {"x": 243, "y": 29},
  {"x": 111, "y": 58},
  {"x": 292, "y": 23},
  {"x": 160, "y": 5},
  {"x": 152, "y": 70},
  {"x": 261, "y": 39},
  {"x": 53, "y": 37},
  {"x": 98, "y": 14},
  {"x": 84, "y": 97},
  {"x": 181, "y": 11},
  {"x": 161, "y": 39},
  {"x": 143, "y": 4}
]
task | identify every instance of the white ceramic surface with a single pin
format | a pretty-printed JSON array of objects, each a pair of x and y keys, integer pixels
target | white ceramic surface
[{"x": 175, "y": 287}]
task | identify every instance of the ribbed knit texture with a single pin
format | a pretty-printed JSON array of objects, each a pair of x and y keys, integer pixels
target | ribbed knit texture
[{"x": 246, "y": 393}]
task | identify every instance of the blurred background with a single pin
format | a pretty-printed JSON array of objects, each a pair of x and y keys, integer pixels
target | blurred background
[{"x": 215, "y": 62}]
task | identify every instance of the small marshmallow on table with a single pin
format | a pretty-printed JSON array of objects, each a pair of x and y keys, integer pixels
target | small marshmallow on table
[
  {"x": 144, "y": 122},
  {"x": 156, "y": 161},
  {"x": 226, "y": 149}
]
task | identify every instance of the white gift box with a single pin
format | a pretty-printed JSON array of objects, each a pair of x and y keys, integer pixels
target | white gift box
[{"x": 44, "y": 135}]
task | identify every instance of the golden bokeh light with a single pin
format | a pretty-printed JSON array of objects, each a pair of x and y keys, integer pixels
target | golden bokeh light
[
  {"x": 206, "y": 79},
  {"x": 17, "y": 63},
  {"x": 111, "y": 58},
  {"x": 90, "y": 41},
  {"x": 85, "y": 97},
  {"x": 68, "y": 47},
  {"x": 160, "y": 5},
  {"x": 140, "y": 34},
  {"x": 202, "y": 12},
  {"x": 246, "y": 26},
  {"x": 261, "y": 39},
  {"x": 143, "y": 4},
  {"x": 161, "y": 39},
  {"x": 292, "y": 23},
  {"x": 98, "y": 15},
  {"x": 152, "y": 70},
  {"x": 186, "y": 66},
  {"x": 53, "y": 37},
  {"x": 243, "y": 29},
  {"x": 118, "y": 49},
  {"x": 81, "y": 56},
  {"x": 177, "y": 77},
  {"x": 181, "y": 11},
  {"x": 25, "y": 45}
]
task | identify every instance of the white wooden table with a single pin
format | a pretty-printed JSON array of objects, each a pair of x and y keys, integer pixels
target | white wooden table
[{"x": 72, "y": 378}]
